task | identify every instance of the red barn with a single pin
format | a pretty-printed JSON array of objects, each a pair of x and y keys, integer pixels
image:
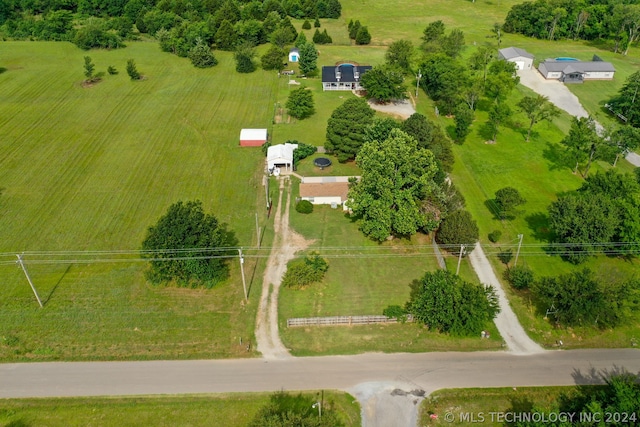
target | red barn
[{"x": 253, "y": 137}]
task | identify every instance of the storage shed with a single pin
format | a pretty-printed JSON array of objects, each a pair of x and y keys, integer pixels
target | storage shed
[
  {"x": 294, "y": 55},
  {"x": 253, "y": 137},
  {"x": 280, "y": 155},
  {"x": 522, "y": 58}
]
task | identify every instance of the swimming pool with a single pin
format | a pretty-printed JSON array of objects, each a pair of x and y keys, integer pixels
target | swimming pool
[{"x": 562, "y": 58}]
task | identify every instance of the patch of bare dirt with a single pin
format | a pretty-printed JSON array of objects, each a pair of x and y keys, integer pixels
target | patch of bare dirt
[{"x": 286, "y": 243}]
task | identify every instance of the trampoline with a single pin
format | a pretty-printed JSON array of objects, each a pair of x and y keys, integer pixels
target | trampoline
[{"x": 322, "y": 162}]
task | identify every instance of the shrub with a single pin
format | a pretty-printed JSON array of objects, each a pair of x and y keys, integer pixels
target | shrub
[
  {"x": 132, "y": 70},
  {"x": 304, "y": 207},
  {"x": 520, "y": 277},
  {"x": 363, "y": 36},
  {"x": 306, "y": 25},
  {"x": 112, "y": 70},
  {"x": 316, "y": 23},
  {"x": 457, "y": 229},
  {"x": 302, "y": 152},
  {"x": 301, "y": 273},
  {"x": 395, "y": 312},
  {"x": 505, "y": 256},
  {"x": 495, "y": 235}
]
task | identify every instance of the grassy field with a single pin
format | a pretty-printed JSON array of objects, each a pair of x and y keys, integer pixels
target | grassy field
[
  {"x": 233, "y": 410},
  {"x": 90, "y": 169},
  {"x": 479, "y": 403}
]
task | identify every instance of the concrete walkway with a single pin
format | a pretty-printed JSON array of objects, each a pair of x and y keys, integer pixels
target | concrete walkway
[
  {"x": 516, "y": 339},
  {"x": 563, "y": 98}
]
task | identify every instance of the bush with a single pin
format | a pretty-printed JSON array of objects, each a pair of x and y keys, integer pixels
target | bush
[
  {"x": 304, "y": 207},
  {"x": 302, "y": 152},
  {"x": 301, "y": 273},
  {"x": 395, "y": 312},
  {"x": 457, "y": 229},
  {"x": 363, "y": 36},
  {"x": 495, "y": 235},
  {"x": 132, "y": 70},
  {"x": 306, "y": 25},
  {"x": 505, "y": 256},
  {"x": 316, "y": 23},
  {"x": 112, "y": 70},
  {"x": 520, "y": 277}
]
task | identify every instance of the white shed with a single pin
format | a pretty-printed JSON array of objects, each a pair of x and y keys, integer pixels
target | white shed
[
  {"x": 522, "y": 58},
  {"x": 294, "y": 55},
  {"x": 253, "y": 137},
  {"x": 280, "y": 155}
]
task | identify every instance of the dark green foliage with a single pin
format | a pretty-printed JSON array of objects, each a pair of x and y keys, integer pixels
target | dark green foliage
[
  {"x": 453, "y": 43},
  {"x": 274, "y": 59},
  {"x": 316, "y": 23},
  {"x": 636, "y": 172},
  {"x": 433, "y": 32},
  {"x": 304, "y": 272},
  {"x": 308, "y": 61},
  {"x": 300, "y": 103},
  {"x": 397, "y": 176},
  {"x": 333, "y": 9},
  {"x": 395, "y": 312},
  {"x": 537, "y": 108},
  {"x": 250, "y": 31},
  {"x": 430, "y": 136},
  {"x": 226, "y": 37},
  {"x": 399, "y": 54},
  {"x": 94, "y": 34},
  {"x": 301, "y": 40},
  {"x": 346, "y": 128},
  {"x": 173, "y": 244},
  {"x": 498, "y": 115},
  {"x": 494, "y": 236},
  {"x": 304, "y": 207},
  {"x": 520, "y": 276},
  {"x": 384, "y": 83},
  {"x": 444, "y": 302},
  {"x": 457, "y": 229},
  {"x": 302, "y": 152},
  {"x": 306, "y": 25},
  {"x": 89, "y": 67},
  {"x": 627, "y": 102},
  {"x": 463, "y": 120},
  {"x": 435, "y": 40},
  {"x": 354, "y": 27},
  {"x": 507, "y": 200},
  {"x": 442, "y": 79},
  {"x": 285, "y": 410},
  {"x": 112, "y": 70},
  {"x": 580, "y": 300},
  {"x": 286, "y": 23},
  {"x": 505, "y": 256},
  {"x": 501, "y": 80},
  {"x": 583, "y": 143},
  {"x": 322, "y": 37},
  {"x": 201, "y": 55},
  {"x": 363, "y": 36},
  {"x": 381, "y": 129},
  {"x": 132, "y": 70},
  {"x": 244, "y": 55},
  {"x": 583, "y": 223},
  {"x": 281, "y": 36}
]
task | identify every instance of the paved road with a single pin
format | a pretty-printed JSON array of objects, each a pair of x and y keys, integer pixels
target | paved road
[
  {"x": 563, "y": 98},
  {"x": 428, "y": 371}
]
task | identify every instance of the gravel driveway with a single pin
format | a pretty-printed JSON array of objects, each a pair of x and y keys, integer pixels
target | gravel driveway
[{"x": 562, "y": 97}]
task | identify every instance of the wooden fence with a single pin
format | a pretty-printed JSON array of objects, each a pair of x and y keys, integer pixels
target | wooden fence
[{"x": 342, "y": 320}]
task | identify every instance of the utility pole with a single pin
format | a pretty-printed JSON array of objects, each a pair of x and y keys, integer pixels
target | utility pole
[
  {"x": 26, "y": 273},
  {"x": 257, "y": 230},
  {"x": 418, "y": 77},
  {"x": 244, "y": 284},
  {"x": 520, "y": 236},
  {"x": 460, "y": 259}
]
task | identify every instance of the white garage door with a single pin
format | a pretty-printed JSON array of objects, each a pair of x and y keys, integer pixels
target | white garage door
[{"x": 520, "y": 65}]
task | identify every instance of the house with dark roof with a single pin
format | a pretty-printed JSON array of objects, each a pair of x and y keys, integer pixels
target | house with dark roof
[
  {"x": 520, "y": 57},
  {"x": 343, "y": 76},
  {"x": 574, "y": 71}
]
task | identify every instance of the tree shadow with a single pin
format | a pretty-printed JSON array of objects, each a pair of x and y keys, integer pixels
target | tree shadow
[
  {"x": 2, "y": 70},
  {"x": 485, "y": 131},
  {"x": 556, "y": 157},
  {"x": 538, "y": 222},
  {"x": 451, "y": 132},
  {"x": 484, "y": 104},
  {"x": 520, "y": 405},
  {"x": 492, "y": 207}
]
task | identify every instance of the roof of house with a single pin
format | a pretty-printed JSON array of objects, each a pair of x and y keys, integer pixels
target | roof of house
[
  {"x": 253, "y": 134},
  {"x": 346, "y": 73},
  {"x": 331, "y": 189},
  {"x": 281, "y": 151},
  {"x": 294, "y": 50},
  {"x": 514, "y": 52},
  {"x": 567, "y": 67}
]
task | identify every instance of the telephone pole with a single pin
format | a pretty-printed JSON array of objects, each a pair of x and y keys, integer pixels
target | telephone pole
[
  {"x": 520, "y": 236},
  {"x": 244, "y": 284},
  {"x": 418, "y": 77},
  {"x": 460, "y": 259},
  {"x": 26, "y": 273}
]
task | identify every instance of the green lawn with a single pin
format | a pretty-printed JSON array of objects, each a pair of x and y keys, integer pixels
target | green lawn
[
  {"x": 232, "y": 410},
  {"x": 91, "y": 168}
]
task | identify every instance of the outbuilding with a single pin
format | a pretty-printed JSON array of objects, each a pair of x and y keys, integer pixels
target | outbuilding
[
  {"x": 520, "y": 57},
  {"x": 294, "y": 55},
  {"x": 279, "y": 156},
  {"x": 253, "y": 137}
]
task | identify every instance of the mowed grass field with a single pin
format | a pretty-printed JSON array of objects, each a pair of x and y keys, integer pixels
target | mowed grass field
[
  {"x": 232, "y": 410},
  {"x": 90, "y": 168}
]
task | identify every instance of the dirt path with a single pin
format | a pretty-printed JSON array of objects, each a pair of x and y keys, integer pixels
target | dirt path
[
  {"x": 285, "y": 245},
  {"x": 403, "y": 109},
  {"x": 517, "y": 340}
]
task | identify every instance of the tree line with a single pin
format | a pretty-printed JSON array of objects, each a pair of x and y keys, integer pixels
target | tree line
[{"x": 617, "y": 21}]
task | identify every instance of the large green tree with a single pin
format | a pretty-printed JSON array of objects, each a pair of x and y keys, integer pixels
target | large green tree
[
  {"x": 300, "y": 103},
  {"x": 244, "y": 55},
  {"x": 273, "y": 59},
  {"x": 537, "y": 109},
  {"x": 627, "y": 102},
  {"x": 507, "y": 200},
  {"x": 459, "y": 228},
  {"x": 201, "y": 55},
  {"x": 187, "y": 246},
  {"x": 446, "y": 303},
  {"x": 622, "y": 140},
  {"x": 384, "y": 83},
  {"x": 346, "y": 128},
  {"x": 583, "y": 143},
  {"x": 308, "y": 61},
  {"x": 399, "y": 54},
  {"x": 397, "y": 176},
  {"x": 431, "y": 136}
]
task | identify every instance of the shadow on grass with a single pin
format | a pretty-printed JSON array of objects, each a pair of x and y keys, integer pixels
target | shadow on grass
[
  {"x": 2, "y": 70},
  {"x": 492, "y": 207},
  {"x": 485, "y": 131},
  {"x": 556, "y": 157},
  {"x": 538, "y": 222},
  {"x": 56, "y": 285}
]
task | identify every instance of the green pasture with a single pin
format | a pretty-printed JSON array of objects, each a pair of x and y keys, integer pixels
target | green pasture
[
  {"x": 90, "y": 168},
  {"x": 230, "y": 409}
]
